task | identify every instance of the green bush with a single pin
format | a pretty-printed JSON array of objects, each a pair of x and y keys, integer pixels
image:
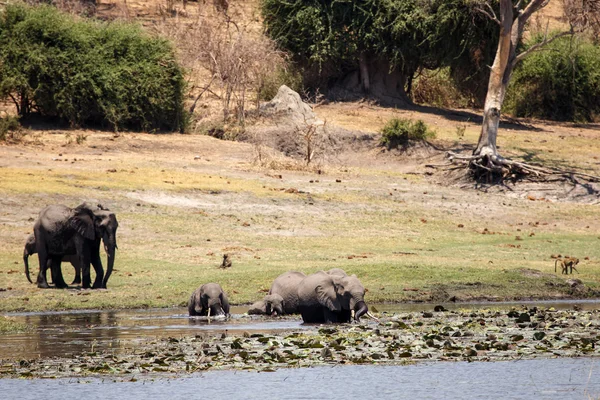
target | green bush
[
  {"x": 400, "y": 132},
  {"x": 89, "y": 73},
  {"x": 560, "y": 82},
  {"x": 8, "y": 125}
]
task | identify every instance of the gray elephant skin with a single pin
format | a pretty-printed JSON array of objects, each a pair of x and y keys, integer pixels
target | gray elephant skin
[
  {"x": 331, "y": 298},
  {"x": 271, "y": 305},
  {"x": 30, "y": 249},
  {"x": 286, "y": 286},
  {"x": 60, "y": 231},
  {"x": 208, "y": 300}
]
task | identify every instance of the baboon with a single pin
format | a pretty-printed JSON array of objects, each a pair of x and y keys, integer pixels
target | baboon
[
  {"x": 567, "y": 264},
  {"x": 226, "y": 261}
]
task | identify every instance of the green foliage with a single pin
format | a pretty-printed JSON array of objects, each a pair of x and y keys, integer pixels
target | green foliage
[
  {"x": 329, "y": 37},
  {"x": 560, "y": 82},
  {"x": 8, "y": 125},
  {"x": 400, "y": 132},
  {"x": 89, "y": 73}
]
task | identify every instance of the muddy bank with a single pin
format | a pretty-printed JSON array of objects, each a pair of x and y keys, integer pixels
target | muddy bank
[{"x": 400, "y": 338}]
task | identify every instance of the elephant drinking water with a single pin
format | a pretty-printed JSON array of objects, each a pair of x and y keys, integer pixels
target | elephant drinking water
[
  {"x": 331, "y": 298},
  {"x": 208, "y": 300}
]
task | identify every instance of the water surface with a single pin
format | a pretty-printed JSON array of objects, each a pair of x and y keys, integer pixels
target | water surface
[{"x": 564, "y": 378}]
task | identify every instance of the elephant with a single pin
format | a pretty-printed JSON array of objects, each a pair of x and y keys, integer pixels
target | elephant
[
  {"x": 30, "y": 249},
  {"x": 331, "y": 298},
  {"x": 60, "y": 230},
  {"x": 209, "y": 300},
  {"x": 272, "y": 305},
  {"x": 337, "y": 271},
  {"x": 286, "y": 286}
]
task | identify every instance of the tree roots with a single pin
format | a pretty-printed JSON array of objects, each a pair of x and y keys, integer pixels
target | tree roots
[{"x": 495, "y": 169}]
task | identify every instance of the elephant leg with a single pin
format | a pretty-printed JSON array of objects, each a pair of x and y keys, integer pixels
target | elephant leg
[
  {"x": 57, "y": 276},
  {"x": 97, "y": 264},
  {"x": 312, "y": 315},
  {"x": 75, "y": 264},
  {"x": 84, "y": 262},
  {"x": 331, "y": 317},
  {"x": 344, "y": 316},
  {"x": 42, "y": 282}
]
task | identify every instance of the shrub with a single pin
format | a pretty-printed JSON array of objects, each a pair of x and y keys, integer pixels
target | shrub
[
  {"x": 561, "y": 82},
  {"x": 400, "y": 132},
  {"x": 438, "y": 89},
  {"x": 88, "y": 73},
  {"x": 9, "y": 126}
]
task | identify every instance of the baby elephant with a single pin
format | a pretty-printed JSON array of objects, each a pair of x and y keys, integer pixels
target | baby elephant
[
  {"x": 30, "y": 249},
  {"x": 271, "y": 305},
  {"x": 209, "y": 300}
]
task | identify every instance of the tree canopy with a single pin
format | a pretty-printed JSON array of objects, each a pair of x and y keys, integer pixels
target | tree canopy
[
  {"x": 329, "y": 36},
  {"x": 86, "y": 72}
]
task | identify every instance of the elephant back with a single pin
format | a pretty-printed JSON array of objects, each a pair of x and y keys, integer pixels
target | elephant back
[{"x": 286, "y": 286}]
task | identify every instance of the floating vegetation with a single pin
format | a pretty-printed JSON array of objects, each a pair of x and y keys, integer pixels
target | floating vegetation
[{"x": 482, "y": 335}]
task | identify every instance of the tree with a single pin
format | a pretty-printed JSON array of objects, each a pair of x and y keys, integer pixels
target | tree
[
  {"x": 512, "y": 17},
  {"x": 377, "y": 46}
]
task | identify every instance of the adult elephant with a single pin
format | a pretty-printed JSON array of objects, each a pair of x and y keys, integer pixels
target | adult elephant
[
  {"x": 331, "y": 298},
  {"x": 30, "y": 249},
  {"x": 286, "y": 286},
  {"x": 208, "y": 300},
  {"x": 60, "y": 229}
]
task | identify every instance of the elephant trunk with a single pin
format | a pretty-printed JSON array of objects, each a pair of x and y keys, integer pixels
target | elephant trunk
[
  {"x": 110, "y": 246},
  {"x": 360, "y": 309}
]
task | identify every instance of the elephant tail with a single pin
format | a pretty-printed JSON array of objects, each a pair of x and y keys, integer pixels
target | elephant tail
[{"x": 26, "y": 262}]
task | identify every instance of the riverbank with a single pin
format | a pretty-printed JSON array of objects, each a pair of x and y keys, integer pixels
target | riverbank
[{"x": 184, "y": 201}]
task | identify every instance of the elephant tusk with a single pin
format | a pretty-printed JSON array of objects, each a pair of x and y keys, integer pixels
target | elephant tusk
[
  {"x": 208, "y": 315},
  {"x": 352, "y": 313},
  {"x": 373, "y": 317}
]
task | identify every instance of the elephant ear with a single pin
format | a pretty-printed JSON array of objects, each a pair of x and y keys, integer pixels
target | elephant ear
[
  {"x": 83, "y": 222},
  {"x": 327, "y": 296}
]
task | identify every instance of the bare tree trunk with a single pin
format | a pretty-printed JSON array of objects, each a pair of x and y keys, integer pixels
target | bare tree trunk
[
  {"x": 511, "y": 31},
  {"x": 497, "y": 85}
]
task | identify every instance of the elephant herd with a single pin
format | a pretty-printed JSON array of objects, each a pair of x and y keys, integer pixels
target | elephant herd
[
  {"x": 61, "y": 234},
  {"x": 68, "y": 234},
  {"x": 323, "y": 297}
]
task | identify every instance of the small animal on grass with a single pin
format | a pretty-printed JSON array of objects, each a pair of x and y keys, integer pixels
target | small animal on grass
[
  {"x": 226, "y": 261},
  {"x": 567, "y": 265},
  {"x": 271, "y": 305},
  {"x": 209, "y": 300}
]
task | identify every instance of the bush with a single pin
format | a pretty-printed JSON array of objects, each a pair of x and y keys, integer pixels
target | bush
[
  {"x": 437, "y": 88},
  {"x": 9, "y": 125},
  {"x": 88, "y": 73},
  {"x": 400, "y": 132},
  {"x": 561, "y": 82}
]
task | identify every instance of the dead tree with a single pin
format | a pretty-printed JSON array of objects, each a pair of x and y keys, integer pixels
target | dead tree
[{"x": 512, "y": 17}]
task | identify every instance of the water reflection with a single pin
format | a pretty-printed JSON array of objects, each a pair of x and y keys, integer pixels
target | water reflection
[
  {"x": 71, "y": 333},
  {"x": 76, "y": 332},
  {"x": 563, "y": 378}
]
